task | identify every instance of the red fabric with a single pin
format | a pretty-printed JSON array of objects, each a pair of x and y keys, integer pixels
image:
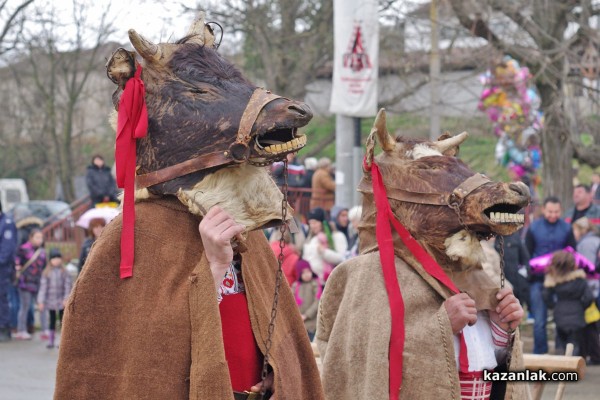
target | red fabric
[
  {"x": 473, "y": 387},
  {"x": 244, "y": 358},
  {"x": 290, "y": 258},
  {"x": 386, "y": 251},
  {"x": 132, "y": 125}
]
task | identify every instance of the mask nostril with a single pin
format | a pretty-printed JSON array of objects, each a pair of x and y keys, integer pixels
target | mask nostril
[
  {"x": 297, "y": 109},
  {"x": 521, "y": 189}
]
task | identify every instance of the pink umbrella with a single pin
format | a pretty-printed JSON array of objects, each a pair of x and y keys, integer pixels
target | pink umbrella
[
  {"x": 539, "y": 264},
  {"x": 108, "y": 213}
]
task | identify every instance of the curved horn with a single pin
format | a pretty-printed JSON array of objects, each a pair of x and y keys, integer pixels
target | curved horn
[
  {"x": 146, "y": 49},
  {"x": 386, "y": 141},
  {"x": 446, "y": 144}
]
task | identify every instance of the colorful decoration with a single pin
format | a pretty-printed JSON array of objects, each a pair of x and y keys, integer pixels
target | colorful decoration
[
  {"x": 541, "y": 263},
  {"x": 512, "y": 104}
]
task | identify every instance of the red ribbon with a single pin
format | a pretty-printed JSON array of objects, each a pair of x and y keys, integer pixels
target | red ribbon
[
  {"x": 132, "y": 125},
  {"x": 385, "y": 216}
]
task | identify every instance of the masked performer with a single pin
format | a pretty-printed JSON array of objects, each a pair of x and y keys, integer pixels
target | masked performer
[
  {"x": 176, "y": 298},
  {"x": 415, "y": 316}
]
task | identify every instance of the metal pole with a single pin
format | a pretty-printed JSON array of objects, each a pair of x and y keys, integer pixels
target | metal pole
[
  {"x": 344, "y": 127},
  {"x": 357, "y": 153},
  {"x": 434, "y": 73}
]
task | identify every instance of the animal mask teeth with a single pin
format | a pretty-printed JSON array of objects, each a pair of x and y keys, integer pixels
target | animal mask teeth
[
  {"x": 507, "y": 218},
  {"x": 294, "y": 144}
]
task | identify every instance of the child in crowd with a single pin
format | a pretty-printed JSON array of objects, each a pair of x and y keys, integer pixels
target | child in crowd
[
  {"x": 29, "y": 263},
  {"x": 566, "y": 290},
  {"x": 307, "y": 291},
  {"x": 324, "y": 247},
  {"x": 54, "y": 291},
  {"x": 290, "y": 256}
]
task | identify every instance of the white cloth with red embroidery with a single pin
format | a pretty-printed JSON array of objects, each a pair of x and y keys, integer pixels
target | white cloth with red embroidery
[
  {"x": 232, "y": 282},
  {"x": 487, "y": 346}
]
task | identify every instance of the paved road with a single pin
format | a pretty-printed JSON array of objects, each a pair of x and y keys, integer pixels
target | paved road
[{"x": 27, "y": 372}]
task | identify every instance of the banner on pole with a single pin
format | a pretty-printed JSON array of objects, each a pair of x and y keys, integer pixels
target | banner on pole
[{"x": 356, "y": 58}]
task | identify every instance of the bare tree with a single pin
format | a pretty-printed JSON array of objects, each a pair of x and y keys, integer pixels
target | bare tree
[
  {"x": 285, "y": 42},
  {"x": 55, "y": 91},
  {"x": 539, "y": 34},
  {"x": 12, "y": 18}
]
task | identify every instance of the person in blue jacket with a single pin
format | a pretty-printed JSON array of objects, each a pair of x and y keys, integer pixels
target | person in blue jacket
[
  {"x": 8, "y": 246},
  {"x": 545, "y": 235}
]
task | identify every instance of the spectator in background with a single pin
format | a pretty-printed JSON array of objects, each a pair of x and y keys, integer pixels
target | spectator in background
[
  {"x": 324, "y": 247},
  {"x": 8, "y": 247},
  {"x": 339, "y": 217},
  {"x": 354, "y": 215},
  {"x": 545, "y": 235},
  {"x": 29, "y": 264},
  {"x": 310, "y": 165},
  {"x": 584, "y": 207},
  {"x": 295, "y": 172},
  {"x": 55, "y": 288},
  {"x": 307, "y": 291},
  {"x": 100, "y": 182},
  {"x": 516, "y": 265},
  {"x": 588, "y": 244},
  {"x": 290, "y": 256},
  {"x": 323, "y": 187},
  {"x": 566, "y": 291},
  {"x": 94, "y": 230},
  {"x": 594, "y": 187}
]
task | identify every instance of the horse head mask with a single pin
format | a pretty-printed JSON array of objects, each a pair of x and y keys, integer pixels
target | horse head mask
[{"x": 210, "y": 131}]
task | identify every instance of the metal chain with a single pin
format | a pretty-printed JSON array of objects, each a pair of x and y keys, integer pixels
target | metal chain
[
  {"x": 500, "y": 240},
  {"x": 279, "y": 276}
]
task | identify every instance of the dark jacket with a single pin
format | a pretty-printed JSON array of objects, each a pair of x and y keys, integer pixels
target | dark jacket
[
  {"x": 8, "y": 242},
  {"x": 569, "y": 295},
  {"x": 85, "y": 250},
  {"x": 307, "y": 180},
  {"x": 592, "y": 213},
  {"x": 100, "y": 183},
  {"x": 516, "y": 260},
  {"x": 543, "y": 237}
]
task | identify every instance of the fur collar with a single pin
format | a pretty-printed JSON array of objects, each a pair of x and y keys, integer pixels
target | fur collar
[{"x": 552, "y": 281}]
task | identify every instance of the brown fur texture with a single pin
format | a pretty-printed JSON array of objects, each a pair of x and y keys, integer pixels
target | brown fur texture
[{"x": 195, "y": 100}]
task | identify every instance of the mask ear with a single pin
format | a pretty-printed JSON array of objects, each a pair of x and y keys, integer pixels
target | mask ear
[
  {"x": 119, "y": 68},
  {"x": 379, "y": 133}
]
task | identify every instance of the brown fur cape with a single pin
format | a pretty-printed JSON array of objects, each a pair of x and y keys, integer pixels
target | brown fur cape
[{"x": 158, "y": 335}]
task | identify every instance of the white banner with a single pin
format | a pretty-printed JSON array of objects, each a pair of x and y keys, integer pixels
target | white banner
[{"x": 356, "y": 58}]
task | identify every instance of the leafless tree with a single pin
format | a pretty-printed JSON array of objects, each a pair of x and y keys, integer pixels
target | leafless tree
[
  {"x": 12, "y": 17},
  {"x": 54, "y": 83},
  {"x": 285, "y": 42},
  {"x": 541, "y": 35}
]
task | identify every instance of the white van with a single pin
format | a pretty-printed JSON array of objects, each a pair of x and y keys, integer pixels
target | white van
[{"x": 12, "y": 191}]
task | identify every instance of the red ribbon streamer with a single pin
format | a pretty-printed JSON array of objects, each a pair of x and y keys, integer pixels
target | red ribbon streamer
[
  {"x": 385, "y": 216},
  {"x": 132, "y": 125}
]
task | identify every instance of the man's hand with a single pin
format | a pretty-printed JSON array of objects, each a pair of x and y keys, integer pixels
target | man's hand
[
  {"x": 41, "y": 306},
  {"x": 268, "y": 384},
  {"x": 508, "y": 313},
  {"x": 461, "y": 311},
  {"x": 217, "y": 228}
]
